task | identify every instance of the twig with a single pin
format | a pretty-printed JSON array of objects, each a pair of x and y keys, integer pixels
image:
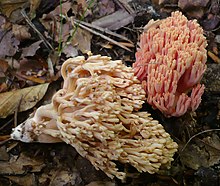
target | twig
[
  {"x": 61, "y": 27},
  {"x": 101, "y": 35},
  {"x": 124, "y": 4},
  {"x": 46, "y": 43},
  {"x": 16, "y": 112},
  {"x": 77, "y": 25},
  {"x": 50, "y": 67},
  {"x": 190, "y": 139},
  {"x": 4, "y": 125},
  {"x": 4, "y": 139},
  {"x": 104, "y": 30}
]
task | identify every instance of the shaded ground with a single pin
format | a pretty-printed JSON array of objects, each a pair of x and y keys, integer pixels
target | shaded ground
[{"x": 26, "y": 62}]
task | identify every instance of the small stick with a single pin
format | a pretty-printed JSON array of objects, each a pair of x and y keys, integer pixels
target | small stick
[
  {"x": 190, "y": 139},
  {"x": 101, "y": 35},
  {"x": 4, "y": 139},
  {"x": 46, "y": 43},
  {"x": 124, "y": 4},
  {"x": 16, "y": 112},
  {"x": 4, "y": 125},
  {"x": 104, "y": 30}
]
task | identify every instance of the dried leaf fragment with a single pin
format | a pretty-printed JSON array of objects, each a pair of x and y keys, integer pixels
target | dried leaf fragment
[
  {"x": 32, "y": 49},
  {"x": 9, "y": 44},
  {"x": 18, "y": 166},
  {"x": 20, "y": 32},
  {"x": 28, "y": 98}
]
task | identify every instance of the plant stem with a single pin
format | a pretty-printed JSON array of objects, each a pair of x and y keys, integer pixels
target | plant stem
[
  {"x": 75, "y": 28},
  {"x": 61, "y": 28}
]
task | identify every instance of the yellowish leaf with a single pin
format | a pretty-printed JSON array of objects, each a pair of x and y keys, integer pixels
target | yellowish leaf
[
  {"x": 82, "y": 40},
  {"x": 8, "y": 6},
  {"x": 23, "y": 99}
]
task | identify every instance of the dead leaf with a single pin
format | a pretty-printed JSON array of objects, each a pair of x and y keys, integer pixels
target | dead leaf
[
  {"x": 104, "y": 7},
  {"x": 21, "y": 165},
  {"x": 27, "y": 179},
  {"x": 31, "y": 50},
  {"x": 60, "y": 177},
  {"x": 3, "y": 67},
  {"x": 35, "y": 70},
  {"x": 9, "y": 6},
  {"x": 21, "y": 32},
  {"x": 52, "y": 22},
  {"x": 34, "y": 4},
  {"x": 27, "y": 97},
  {"x": 58, "y": 11},
  {"x": 207, "y": 149},
  {"x": 115, "y": 21},
  {"x": 82, "y": 40},
  {"x": 4, "y": 156},
  {"x": 189, "y": 4},
  {"x": 3, "y": 87},
  {"x": 189, "y": 157},
  {"x": 70, "y": 51},
  {"x": 9, "y": 44},
  {"x": 30, "y": 78},
  {"x": 101, "y": 183},
  {"x": 212, "y": 145}
]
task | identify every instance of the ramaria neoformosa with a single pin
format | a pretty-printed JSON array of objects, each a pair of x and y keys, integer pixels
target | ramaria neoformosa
[{"x": 170, "y": 62}]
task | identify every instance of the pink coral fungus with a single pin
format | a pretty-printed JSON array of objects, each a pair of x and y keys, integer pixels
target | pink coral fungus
[
  {"x": 170, "y": 63},
  {"x": 97, "y": 112}
]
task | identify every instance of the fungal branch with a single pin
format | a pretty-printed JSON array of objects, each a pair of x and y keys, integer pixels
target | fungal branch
[
  {"x": 97, "y": 112},
  {"x": 170, "y": 62}
]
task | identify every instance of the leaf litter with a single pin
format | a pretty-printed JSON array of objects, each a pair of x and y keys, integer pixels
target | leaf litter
[{"x": 36, "y": 37}]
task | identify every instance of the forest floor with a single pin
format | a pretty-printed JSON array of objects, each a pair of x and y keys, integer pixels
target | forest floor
[{"x": 36, "y": 37}]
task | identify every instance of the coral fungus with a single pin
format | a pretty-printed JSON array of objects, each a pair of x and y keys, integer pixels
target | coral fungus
[
  {"x": 170, "y": 63},
  {"x": 97, "y": 112}
]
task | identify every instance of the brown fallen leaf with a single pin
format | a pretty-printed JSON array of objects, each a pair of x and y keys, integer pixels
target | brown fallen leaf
[
  {"x": 3, "y": 87},
  {"x": 27, "y": 97},
  {"x": 104, "y": 7},
  {"x": 70, "y": 51},
  {"x": 60, "y": 177},
  {"x": 20, "y": 32},
  {"x": 31, "y": 50},
  {"x": 9, "y": 44},
  {"x": 3, "y": 67},
  {"x": 189, "y": 157},
  {"x": 4, "y": 156},
  {"x": 9, "y": 6},
  {"x": 51, "y": 21},
  {"x": 212, "y": 145},
  {"x": 27, "y": 179},
  {"x": 31, "y": 78},
  {"x": 21, "y": 165},
  {"x": 34, "y": 4},
  {"x": 115, "y": 21},
  {"x": 101, "y": 183},
  {"x": 207, "y": 149},
  {"x": 82, "y": 40}
]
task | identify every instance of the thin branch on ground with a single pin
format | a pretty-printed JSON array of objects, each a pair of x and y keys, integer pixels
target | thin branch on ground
[
  {"x": 101, "y": 35},
  {"x": 104, "y": 30},
  {"x": 46, "y": 43},
  {"x": 190, "y": 139}
]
